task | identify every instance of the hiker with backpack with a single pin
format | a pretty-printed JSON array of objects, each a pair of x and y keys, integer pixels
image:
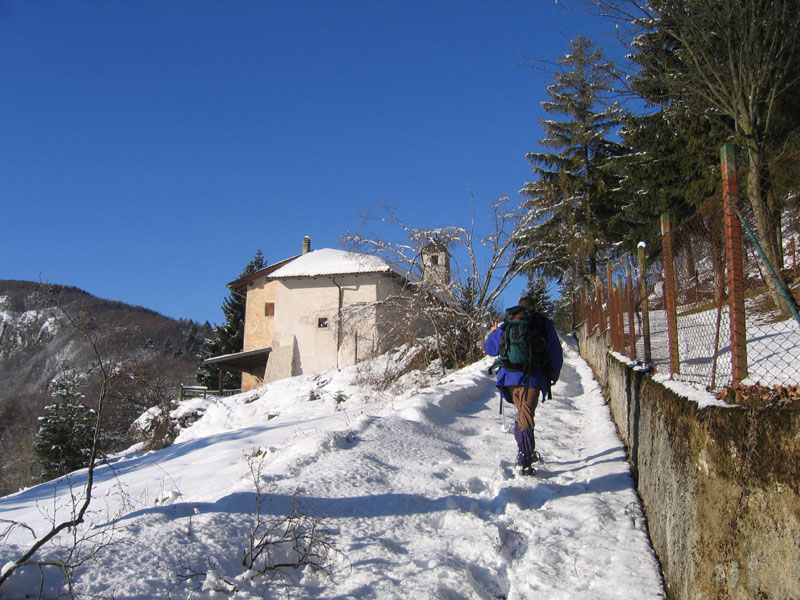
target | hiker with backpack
[{"x": 529, "y": 363}]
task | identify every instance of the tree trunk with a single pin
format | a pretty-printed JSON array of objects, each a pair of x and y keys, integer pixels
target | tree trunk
[{"x": 766, "y": 232}]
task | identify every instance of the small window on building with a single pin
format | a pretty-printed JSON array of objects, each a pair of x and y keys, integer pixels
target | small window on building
[
  {"x": 322, "y": 322},
  {"x": 269, "y": 309},
  {"x": 435, "y": 260}
]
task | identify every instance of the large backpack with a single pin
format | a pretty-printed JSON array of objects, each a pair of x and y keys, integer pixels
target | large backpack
[{"x": 523, "y": 345}]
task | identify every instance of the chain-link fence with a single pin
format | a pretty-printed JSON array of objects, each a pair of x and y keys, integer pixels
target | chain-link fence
[{"x": 675, "y": 315}]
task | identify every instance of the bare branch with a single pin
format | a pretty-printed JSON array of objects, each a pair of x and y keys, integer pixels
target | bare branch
[{"x": 77, "y": 518}]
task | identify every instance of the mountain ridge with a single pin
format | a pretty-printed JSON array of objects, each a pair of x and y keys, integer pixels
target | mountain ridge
[{"x": 37, "y": 345}]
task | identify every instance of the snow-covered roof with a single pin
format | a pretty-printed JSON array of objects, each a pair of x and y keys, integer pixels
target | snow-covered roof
[{"x": 329, "y": 261}]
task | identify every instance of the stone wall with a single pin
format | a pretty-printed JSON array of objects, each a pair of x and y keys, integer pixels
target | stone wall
[{"x": 720, "y": 485}]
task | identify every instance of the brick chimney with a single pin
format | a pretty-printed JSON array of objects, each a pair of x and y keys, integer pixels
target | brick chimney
[{"x": 306, "y": 245}]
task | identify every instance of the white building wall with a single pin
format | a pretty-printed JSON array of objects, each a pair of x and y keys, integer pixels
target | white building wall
[{"x": 300, "y": 344}]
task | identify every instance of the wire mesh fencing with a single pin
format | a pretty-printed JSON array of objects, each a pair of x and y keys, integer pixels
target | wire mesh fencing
[{"x": 675, "y": 314}]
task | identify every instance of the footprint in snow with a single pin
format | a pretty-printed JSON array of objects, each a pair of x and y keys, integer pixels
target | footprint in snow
[
  {"x": 488, "y": 583},
  {"x": 458, "y": 452},
  {"x": 513, "y": 544}
]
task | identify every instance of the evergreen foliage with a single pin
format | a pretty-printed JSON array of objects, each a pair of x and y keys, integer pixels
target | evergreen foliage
[
  {"x": 228, "y": 337},
  {"x": 736, "y": 62},
  {"x": 537, "y": 292},
  {"x": 672, "y": 166},
  {"x": 66, "y": 432},
  {"x": 573, "y": 199}
]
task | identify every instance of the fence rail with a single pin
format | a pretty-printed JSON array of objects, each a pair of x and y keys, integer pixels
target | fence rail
[{"x": 201, "y": 391}]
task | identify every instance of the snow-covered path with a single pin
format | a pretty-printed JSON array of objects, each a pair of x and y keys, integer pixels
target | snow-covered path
[{"x": 419, "y": 492}]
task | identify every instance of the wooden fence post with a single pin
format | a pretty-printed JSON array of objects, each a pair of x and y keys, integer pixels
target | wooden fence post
[
  {"x": 573, "y": 307},
  {"x": 735, "y": 265},
  {"x": 670, "y": 298},
  {"x": 648, "y": 356}
]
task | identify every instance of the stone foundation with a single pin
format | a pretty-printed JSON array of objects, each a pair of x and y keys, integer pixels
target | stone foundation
[{"x": 720, "y": 485}]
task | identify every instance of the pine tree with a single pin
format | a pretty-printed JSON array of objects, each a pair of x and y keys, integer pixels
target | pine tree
[
  {"x": 228, "y": 337},
  {"x": 537, "y": 291},
  {"x": 66, "y": 432},
  {"x": 208, "y": 375},
  {"x": 672, "y": 160},
  {"x": 572, "y": 200},
  {"x": 257, "y": 263},
  {"x": 672, "y": 166}
]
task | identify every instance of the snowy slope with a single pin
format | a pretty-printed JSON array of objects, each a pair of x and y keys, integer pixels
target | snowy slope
[{"x": 417, "y": 489}]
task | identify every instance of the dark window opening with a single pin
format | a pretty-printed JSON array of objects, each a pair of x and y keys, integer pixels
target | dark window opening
[{"x": 322, "y": 322}]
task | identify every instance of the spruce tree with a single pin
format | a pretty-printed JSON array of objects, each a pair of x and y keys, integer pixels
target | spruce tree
[
  {"x": 228, "y": 337},
  {"x": 672, "y": 166},
  {"x": 538, "y": 293},
  {"x": 67, "y": 427},
  {"x": 572, "y": 200}
]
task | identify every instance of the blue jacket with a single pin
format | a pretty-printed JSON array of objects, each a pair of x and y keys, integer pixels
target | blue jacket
[{"x": 536, "y": 378}]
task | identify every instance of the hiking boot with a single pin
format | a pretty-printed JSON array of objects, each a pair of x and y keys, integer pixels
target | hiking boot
[{"x": 525, "y": 463}]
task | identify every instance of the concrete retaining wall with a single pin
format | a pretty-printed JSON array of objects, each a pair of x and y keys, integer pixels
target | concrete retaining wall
[{"x": 720, "y": 485}]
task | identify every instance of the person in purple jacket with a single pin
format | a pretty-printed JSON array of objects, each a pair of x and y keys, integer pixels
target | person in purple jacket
[{"x": 522, "y": 387}]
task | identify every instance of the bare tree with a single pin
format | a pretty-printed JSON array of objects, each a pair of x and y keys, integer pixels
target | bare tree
[
  {"x": 274, "y": 547},
  {"x": 80, "y": 500},
  {"x": 291, "y": 541},
  {"x": 453, "y": 311},
  {"x": 18, "y": 421}
]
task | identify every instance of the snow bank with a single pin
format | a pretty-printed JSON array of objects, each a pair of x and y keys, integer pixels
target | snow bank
[{"x": 417, "y": 489}]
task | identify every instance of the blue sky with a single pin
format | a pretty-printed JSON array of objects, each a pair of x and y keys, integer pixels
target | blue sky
[{"x": 148, "y": 148}]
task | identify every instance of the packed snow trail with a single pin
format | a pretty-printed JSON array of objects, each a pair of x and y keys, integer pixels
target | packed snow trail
[
  {"x": 434, "y": 510},
  {"x": 419, "y": 491}
]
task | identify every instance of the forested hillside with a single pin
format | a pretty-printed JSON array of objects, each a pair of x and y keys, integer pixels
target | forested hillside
[{"x": 43, "y": 343}]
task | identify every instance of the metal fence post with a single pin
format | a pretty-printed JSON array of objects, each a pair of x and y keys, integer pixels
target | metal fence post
[
  {"x": 612, "y": 318},
  {"x": 629, "y": 306},
  {"x": 648, "y": 356},
  {"x": 587, "y": 313},
  {"x": 670, "y": 298},
  {"x": 620, "y": 316},
  {"x": 735, "y": 265},
  {"x": 600, "y": 320}
]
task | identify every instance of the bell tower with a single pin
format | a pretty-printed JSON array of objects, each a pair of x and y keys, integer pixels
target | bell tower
[{"x": 436, "y": 264}]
